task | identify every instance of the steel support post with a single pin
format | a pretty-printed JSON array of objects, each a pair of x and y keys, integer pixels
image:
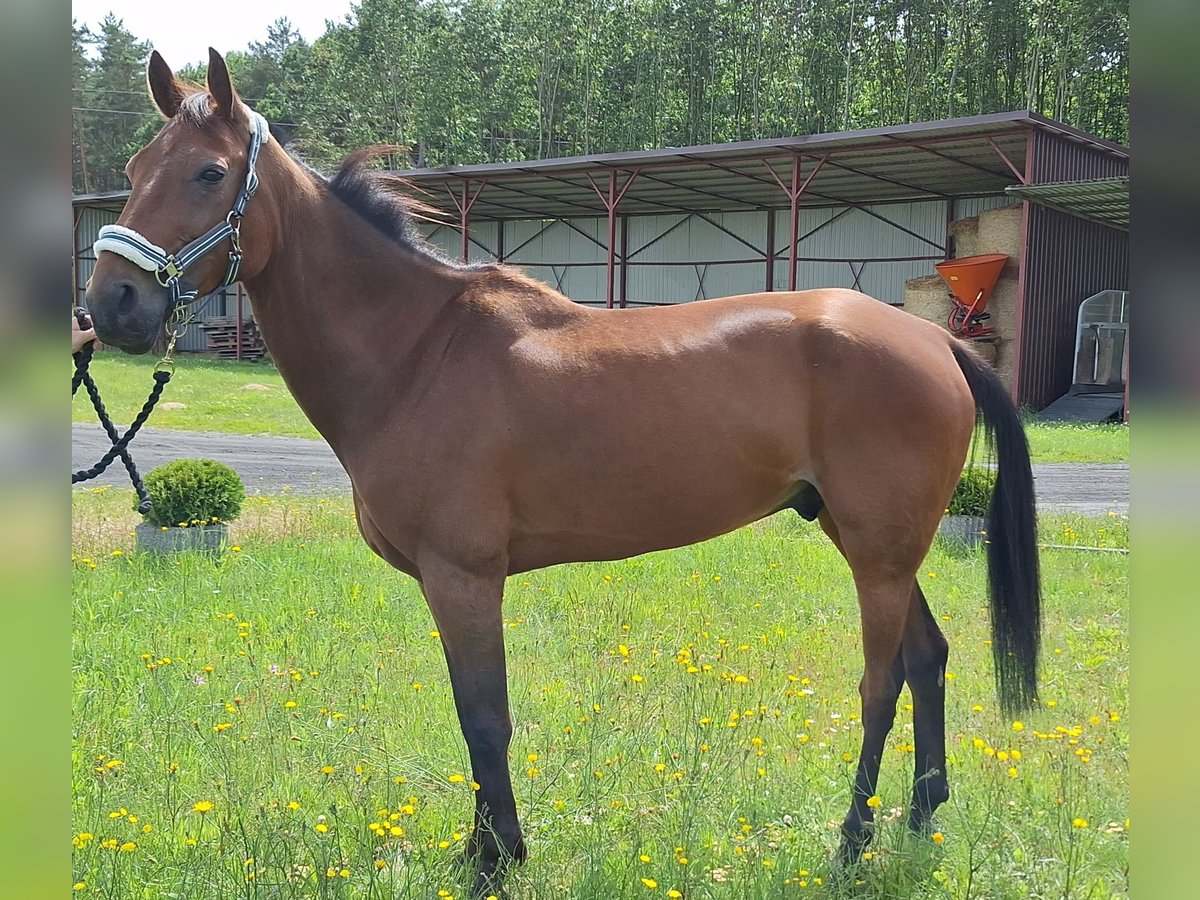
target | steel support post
[
  {"x": 770, "y": 285},
  {"x": 463, "y": 204},
  {"x": 611, "y": 198},
  {"x": 794, "y": 189},
  {"x": 238, "y": 345},
  {"x": 1022, "y": 270}
]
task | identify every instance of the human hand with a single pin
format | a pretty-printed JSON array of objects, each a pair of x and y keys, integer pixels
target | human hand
[{"x": 80, "y": 335}]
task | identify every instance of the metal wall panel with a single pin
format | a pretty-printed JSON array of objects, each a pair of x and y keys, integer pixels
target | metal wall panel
[
  {"x": 1067, "y": 260},
  {"x": 859, "y": 241},
  {"x": 91, "y": 220}
]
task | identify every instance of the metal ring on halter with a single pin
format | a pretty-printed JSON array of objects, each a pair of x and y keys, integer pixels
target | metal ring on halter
[{"x": 170, "y": 269}]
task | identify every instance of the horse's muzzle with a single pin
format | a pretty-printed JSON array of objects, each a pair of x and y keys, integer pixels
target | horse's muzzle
[{"x": 127, "y": 312}]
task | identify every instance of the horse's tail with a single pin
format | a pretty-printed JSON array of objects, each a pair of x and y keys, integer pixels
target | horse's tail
[{"x": 1011, "y": 538}]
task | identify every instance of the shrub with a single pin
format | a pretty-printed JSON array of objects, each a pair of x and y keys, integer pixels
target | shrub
[
  {"x": 194, "y": 492},
  {"x": 974, "y": 492}
]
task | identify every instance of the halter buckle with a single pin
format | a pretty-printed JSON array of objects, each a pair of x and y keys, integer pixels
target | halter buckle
[
  {"x": 171, "y": 269},
  {"x": 234, "y": 221}
]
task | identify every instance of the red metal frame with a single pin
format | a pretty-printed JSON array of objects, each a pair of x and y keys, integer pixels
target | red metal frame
[
  {"x": 1019, "y": 341},
  {"x": 611, "y": 199},
  {"x": 464, "y": 210}
]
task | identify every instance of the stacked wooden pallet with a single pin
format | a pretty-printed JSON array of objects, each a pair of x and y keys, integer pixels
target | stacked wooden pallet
[{"x": 222, "y": 335}]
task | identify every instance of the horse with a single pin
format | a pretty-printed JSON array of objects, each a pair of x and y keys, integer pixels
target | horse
[{"x": 490, "y": 426}]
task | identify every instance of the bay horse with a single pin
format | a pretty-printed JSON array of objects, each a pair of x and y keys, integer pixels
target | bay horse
[{"x": 490, "y": 426}]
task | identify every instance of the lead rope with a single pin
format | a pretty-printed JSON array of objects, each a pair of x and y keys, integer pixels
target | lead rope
[{"x": 162, "y": 374}]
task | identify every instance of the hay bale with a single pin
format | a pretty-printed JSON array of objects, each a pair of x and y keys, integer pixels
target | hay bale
[
  {"x": 928, "y": 298},
  {"x": 965, "y": 236},
  {"x": 999, "y": 231}
]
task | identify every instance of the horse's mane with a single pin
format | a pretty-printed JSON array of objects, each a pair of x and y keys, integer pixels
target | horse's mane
[{"x": 384, "y": 200}]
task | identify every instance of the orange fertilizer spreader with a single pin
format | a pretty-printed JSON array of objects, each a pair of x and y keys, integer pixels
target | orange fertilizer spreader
[{"x": 971, "y": 280}]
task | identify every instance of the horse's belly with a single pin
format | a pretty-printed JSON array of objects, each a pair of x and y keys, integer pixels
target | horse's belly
[{"x": 614, "y": 515}]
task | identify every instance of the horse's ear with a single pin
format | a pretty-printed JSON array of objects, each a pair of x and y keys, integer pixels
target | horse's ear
[
  {"x": 165, "y": 88},
  {"x": 220, "y": 87}
]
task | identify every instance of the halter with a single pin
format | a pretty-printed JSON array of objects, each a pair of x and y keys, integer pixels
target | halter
[{"x": 168, "y": 268}]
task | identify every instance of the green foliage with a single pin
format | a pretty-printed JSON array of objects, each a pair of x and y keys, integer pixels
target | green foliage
[
  {"x": 478, "y": 81},
  {"x": 974, "y": 492},
  {"x": 194, "y": 492}
]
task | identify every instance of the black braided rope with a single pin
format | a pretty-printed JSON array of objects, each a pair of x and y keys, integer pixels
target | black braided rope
[{"x": 120, "y": 441}]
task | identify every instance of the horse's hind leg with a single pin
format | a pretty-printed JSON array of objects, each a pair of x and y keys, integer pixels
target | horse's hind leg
[{"x": 925, "y": 652}]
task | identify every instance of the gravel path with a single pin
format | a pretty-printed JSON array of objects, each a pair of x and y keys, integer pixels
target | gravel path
[{"x": 270, "y": 464}]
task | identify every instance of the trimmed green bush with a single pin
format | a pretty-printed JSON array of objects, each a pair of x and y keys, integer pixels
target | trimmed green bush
[
  {"x": 194, "y": 492},
  {"x": 974, "y": 492}
]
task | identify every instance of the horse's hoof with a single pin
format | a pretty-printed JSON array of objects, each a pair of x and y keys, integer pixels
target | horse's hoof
[{"x": 854, "y": 843}]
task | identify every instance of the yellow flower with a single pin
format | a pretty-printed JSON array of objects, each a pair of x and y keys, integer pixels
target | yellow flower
[
  {"x": 1080, "y": 823},
  {"x": 380, "y": 864},
  {"x": 127, "y": 847},
  {"x": 874, "y": 801},
  {"x": 938, "y": 837},
  {"x": 650, "y": 883},
  {"x": 457, "y": 779},
  {"x": 203, "y": 806},
  {"x": 79, "y": 886},
  {"x": 674, "y": 894},
  {"x": 321, "y": 828},
  {"x": 293, "y": 805},
  {"x": 291, "y": 704},
  {"x": 326, "y": 770},
  {"x": 1018, "y": 726}
]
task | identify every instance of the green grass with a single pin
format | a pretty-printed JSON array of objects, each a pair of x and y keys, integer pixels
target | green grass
[
  {"x": 216, "y": 397},
  {"x": 213, "y": 391},
  {"x": 744, "y": 777}
]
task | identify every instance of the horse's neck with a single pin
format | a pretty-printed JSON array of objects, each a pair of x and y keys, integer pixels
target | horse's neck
[{"x": 342, "y": 307}]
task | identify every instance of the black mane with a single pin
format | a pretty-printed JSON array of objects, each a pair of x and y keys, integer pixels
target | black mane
[{"x": 380, "y": 199}]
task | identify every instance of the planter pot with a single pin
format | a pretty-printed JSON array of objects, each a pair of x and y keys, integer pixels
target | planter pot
[
  {"x": 963, "y": 531},
  {"x": 200, "y": 538}
]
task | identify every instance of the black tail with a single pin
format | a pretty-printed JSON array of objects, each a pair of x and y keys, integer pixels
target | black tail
[{"x": 1011, "y": 539}]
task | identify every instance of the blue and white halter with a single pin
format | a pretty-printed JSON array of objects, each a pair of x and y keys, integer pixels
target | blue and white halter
[{"x": 169, "y": 268}]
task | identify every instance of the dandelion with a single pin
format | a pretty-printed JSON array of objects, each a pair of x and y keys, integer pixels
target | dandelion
[
  {"x": 1080, "y": 822},
  {"x": 321, "y": 828},
  {"x": 874, "y": 801},
  {"x": 644, "y": 858},
  {"x": 1018, "y": 726},
  {"x": 203, "y": 806},
  {"x": 457, "y": 779},
  {"x": 650, "y": 883},
  {"x": 938, "y": 837}
]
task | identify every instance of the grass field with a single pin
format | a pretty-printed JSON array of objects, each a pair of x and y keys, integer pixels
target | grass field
[
  {"x": 217, "y": 399},
  {"x": 278, "y": 722}
]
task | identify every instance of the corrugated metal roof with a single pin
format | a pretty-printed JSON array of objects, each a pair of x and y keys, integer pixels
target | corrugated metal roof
[
  {"x": 1103, "y": 200},
  {"x": 928, "y": 160}
]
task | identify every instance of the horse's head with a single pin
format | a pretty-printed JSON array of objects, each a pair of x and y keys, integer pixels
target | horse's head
[{"x": 181, "y": 234}]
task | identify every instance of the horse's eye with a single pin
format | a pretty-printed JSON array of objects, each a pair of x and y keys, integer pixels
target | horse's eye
[{"x": 212, "y": 175}]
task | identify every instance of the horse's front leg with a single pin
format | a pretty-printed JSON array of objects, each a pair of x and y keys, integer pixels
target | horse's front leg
[{"x": 466, "y": 607}]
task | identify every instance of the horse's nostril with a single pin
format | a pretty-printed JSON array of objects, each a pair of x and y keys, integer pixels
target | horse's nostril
[{"x": 126, "y": 299}]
